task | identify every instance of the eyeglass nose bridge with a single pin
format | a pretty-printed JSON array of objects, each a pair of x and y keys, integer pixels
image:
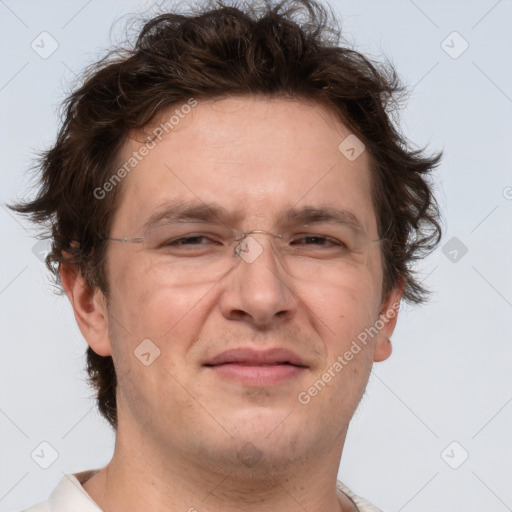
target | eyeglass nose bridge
[
  {"x": 248, "y": 252},
  {"x": 244, "y": 235}
]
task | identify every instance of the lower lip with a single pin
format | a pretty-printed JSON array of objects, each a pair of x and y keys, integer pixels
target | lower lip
[{"x": 258, "y": 375}]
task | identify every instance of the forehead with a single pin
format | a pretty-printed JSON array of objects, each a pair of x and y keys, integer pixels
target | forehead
[{"x": 257, "y": 157}]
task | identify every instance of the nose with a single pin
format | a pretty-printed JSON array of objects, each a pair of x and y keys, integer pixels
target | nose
[{"x": 258, "y": 290}]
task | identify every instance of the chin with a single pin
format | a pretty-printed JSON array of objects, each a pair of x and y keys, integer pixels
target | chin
[
  {"x": 259, "y": 459},
  {"x": 262, "y": 423},
  {"x": 276, "y": 435}
]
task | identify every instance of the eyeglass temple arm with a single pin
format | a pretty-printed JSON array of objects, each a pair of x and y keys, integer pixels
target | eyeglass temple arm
[
  {"x": 125, "y": 240},
  {"x": 239, "y": 236}
]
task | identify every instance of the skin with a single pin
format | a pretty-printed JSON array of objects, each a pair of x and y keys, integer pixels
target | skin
[{"x": 182, "y": 428}]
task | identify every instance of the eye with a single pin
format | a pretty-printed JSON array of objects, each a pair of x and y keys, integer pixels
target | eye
[
  {"x": 189, "y": 240},
  {"x": 184, "y": 238},
  {"x": 318, "y": 240}
]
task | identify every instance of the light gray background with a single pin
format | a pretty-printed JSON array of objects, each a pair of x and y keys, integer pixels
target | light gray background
[{"x": 449, "y": 377}]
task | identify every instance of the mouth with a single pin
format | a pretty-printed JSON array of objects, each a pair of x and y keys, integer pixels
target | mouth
[{"x": 257, "y": 368}]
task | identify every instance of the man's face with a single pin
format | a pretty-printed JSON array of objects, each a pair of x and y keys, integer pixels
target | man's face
[{"x": 257, "y": 159}]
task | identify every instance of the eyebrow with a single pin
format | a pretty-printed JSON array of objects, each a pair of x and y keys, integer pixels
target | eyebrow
[
  {"x": 183, "y": 211},
  {"x": 321, "y": 214}
]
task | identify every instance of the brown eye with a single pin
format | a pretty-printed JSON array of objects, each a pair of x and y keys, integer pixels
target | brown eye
[
  {"x": 188, "y": 240},
  {"x": 318, "y": 240}
]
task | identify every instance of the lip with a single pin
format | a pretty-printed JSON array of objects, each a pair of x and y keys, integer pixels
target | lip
[
  {"x": 256, "y": 367},
  {"x": 251, "y": 357}
]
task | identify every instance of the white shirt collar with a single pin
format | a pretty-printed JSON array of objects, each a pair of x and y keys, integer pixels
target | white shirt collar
[{"x": 70, "y": 495}]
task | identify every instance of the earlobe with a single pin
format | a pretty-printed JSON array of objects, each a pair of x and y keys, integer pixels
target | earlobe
[
  {"x": 383, "y": 350},
  {"x": 387, "y": 318},
  {"x": 89, "y": 308}
]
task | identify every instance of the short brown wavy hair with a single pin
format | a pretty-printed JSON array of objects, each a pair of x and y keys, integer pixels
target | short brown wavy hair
[{"x": 290, "y": 49}]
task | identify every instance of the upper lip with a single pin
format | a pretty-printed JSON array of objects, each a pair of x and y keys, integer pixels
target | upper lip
[{"x": 256, "y": 357}]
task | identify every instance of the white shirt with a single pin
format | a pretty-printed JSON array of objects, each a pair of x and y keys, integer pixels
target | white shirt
[{"x": 70, "y": 496}]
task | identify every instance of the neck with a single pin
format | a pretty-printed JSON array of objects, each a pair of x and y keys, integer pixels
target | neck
[{"x": 141, "y": 477}]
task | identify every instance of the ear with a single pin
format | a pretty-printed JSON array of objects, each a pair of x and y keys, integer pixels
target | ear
[
  {"x": 388, "y": 317},
  {"x": 89, "y": 307}
]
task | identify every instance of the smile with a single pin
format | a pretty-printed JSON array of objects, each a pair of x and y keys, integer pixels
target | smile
[
  {"x": 257, "y": 374},
  {"x": 252, "y": 367}
]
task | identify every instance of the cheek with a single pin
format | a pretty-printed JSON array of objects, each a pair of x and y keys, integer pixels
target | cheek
[
  {"x": 345, "y": 310},
  {"x": 143, "y": 301},
  {"x": 146, "y": 306},
  {"x": 348, "y": 303}
]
